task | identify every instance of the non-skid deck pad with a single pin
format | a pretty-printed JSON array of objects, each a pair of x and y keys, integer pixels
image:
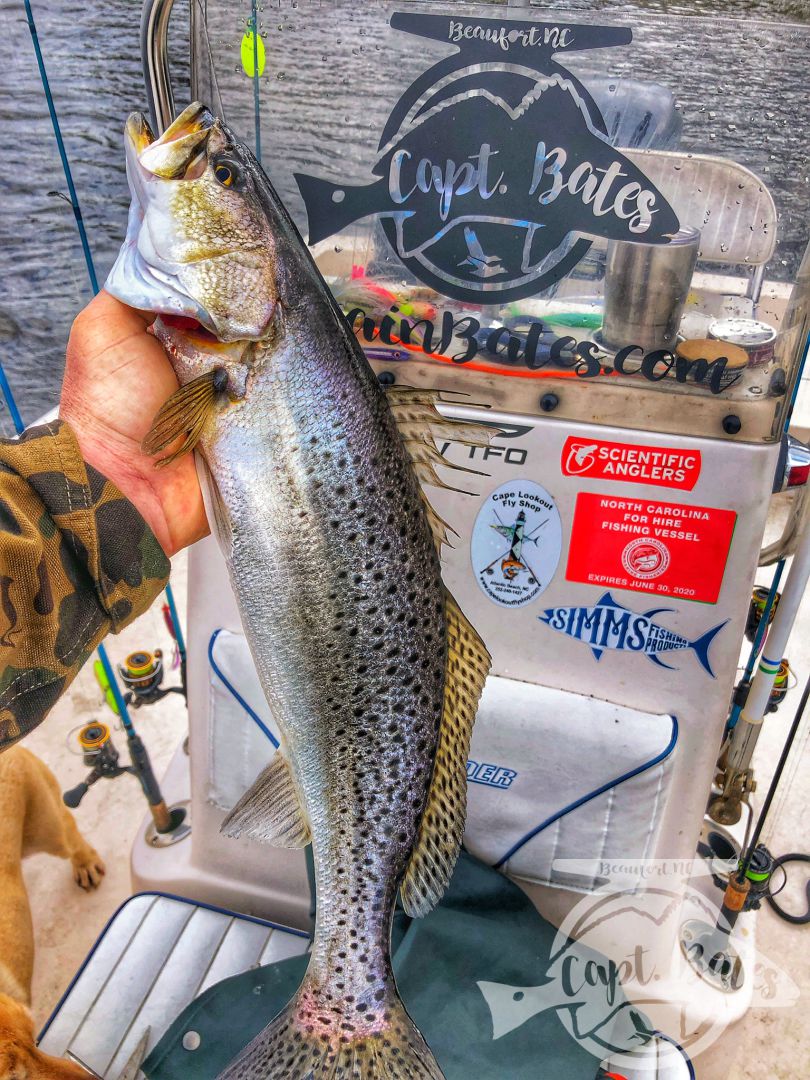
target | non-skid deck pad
[{"x": 482, "y": 963}]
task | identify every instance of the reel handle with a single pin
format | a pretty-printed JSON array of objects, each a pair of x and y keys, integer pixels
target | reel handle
[{"x": 74, "y": 796}]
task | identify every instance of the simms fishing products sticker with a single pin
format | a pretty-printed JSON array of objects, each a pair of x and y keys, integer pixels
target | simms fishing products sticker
[
  {"x": 663, "y": 466},
  {"x": 516, "y": 543},
  {"x": 649, "y": 546},
  {"x": 610, "y": 625},
  {"x": 495, "y": 165}
]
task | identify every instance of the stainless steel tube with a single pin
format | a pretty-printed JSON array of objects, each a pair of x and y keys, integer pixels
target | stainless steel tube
[{"x": 155, "y": 55}]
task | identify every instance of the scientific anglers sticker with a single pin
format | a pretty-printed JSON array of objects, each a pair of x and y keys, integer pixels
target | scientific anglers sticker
[
  {"x": 610, "y": 625},
  {"x": 649, "y": 546},
  {"x": 495, "y": 166},
  {"x": 663, "y": 466},
  {"x": 516, "y": 543}
]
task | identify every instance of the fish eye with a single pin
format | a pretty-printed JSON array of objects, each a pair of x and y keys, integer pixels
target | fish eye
[{"x": 226, "y": 173}]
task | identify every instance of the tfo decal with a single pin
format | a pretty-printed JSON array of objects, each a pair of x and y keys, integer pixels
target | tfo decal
[
  {"x": 495, "y": 166},
  {"x": 663, "y": 466},
  {"x": 610, "y": 625},
  {"x": 516, "y": 543}
]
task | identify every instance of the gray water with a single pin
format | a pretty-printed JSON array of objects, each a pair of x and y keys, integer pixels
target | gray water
[
  {"x": 742, "y": 91},
  {"x": 91, "y": 52}
]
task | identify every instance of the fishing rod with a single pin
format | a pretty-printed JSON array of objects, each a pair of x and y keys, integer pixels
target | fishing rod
[
  {"x": 708, "y": 947},
  {"x": 756, "y": 697},
  {"x": 253, "y": 26}
]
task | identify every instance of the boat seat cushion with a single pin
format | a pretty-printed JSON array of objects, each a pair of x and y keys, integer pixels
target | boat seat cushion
[
  {"x": 553, "y": 776},
  {"x": 155, "y": 956}
]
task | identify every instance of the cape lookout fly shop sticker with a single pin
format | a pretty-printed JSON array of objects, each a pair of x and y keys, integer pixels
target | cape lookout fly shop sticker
[
  {"x": 516, "y": 543},
  {"x": 495, "y": 166}
]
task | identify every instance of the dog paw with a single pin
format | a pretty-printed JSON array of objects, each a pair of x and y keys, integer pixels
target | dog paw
[{"x": 88, "y": 869}]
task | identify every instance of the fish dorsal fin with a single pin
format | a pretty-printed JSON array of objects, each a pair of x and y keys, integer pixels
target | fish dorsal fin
[
  {"x": 421, "y": 426},
  {"x": 442, "y": 824},
  {"x": 271, "y": 809}
]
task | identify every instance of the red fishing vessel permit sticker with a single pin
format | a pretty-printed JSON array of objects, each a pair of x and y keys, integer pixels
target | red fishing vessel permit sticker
[{"x": 663, "y": 548}]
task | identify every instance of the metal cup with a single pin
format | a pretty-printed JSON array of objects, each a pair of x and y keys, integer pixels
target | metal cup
[{"x": 646, "y": 286}]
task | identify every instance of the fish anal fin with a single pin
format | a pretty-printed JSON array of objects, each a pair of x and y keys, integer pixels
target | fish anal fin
[
  {"x": 442, "y": 824},
  {"x": 271, "y": 809},
  {"x": 184, "y": 415},
  {"x": 421, "y": 427}
]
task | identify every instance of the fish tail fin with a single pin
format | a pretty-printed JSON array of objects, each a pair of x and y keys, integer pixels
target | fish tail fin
[
  {"x": 701, "y": 646},
  {"x": 330, "y": 207},
  {"x": 298, "y": 1045}
]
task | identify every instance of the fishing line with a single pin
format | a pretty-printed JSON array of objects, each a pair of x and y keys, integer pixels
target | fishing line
[
  {"x": 214, "y": 87},
  {"x": 74, "y": 198},
  {"x": 257, "y": 118},
  {"x": 787, "y": 785}
]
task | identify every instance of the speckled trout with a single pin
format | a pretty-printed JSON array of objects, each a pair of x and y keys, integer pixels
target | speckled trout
[{"x": 369, "y": 667}]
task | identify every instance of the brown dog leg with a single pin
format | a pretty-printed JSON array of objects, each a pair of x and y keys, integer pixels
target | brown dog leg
[
  {"x": 50, "y": 827},
  {"x": 19, "y": 1057}
]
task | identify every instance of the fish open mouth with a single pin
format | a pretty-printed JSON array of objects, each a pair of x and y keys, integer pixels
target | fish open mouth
[
  {"x": 144, "y": 275},
  {"x": 179, "y": 153},
  {"x": 189, "y": 326}
]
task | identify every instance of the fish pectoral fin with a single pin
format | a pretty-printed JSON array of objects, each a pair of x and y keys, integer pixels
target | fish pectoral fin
[
  {"x": 422, "y": 426},
  {"x": 271, "y": 809},
  {"x": 438, "y": 841},
  {"x": 184, "y": 415}
]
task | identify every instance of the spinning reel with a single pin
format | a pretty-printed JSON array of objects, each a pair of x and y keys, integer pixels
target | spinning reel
[{"x": 100, "y": 753}]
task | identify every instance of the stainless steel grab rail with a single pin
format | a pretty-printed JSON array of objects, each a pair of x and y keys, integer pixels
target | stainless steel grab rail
[{"x": 155, "y": 56}]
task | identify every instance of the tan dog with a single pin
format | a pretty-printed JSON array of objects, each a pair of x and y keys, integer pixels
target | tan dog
[{"x": 33, "y": 818}]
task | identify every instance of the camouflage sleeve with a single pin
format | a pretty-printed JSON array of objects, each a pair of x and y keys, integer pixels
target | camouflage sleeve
[{"x": 77, "y": 561}]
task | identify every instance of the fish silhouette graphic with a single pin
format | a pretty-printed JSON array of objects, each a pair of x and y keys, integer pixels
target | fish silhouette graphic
[
  {"x": 611, "y": 625},
  {"x": 483, "y": 155}
]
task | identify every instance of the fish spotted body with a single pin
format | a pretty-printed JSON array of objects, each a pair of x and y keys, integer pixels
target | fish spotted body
[{"x": 330, "y": 548}]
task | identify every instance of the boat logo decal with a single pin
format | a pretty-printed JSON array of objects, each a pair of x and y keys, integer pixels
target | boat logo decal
[
  {"x": 516, "y": 543},
  {"x": 496, "y": 776},
  {"x": 608, "y": 624},
  {"x": 599, "y": 459},
  {"x": 495, "y": 167}
]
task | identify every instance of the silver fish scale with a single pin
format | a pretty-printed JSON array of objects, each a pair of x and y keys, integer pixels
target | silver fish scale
[{"x": 339, "y": 587}]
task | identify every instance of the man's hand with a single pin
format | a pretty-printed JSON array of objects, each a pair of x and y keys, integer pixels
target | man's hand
[{"x": 116, "y": 378}]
